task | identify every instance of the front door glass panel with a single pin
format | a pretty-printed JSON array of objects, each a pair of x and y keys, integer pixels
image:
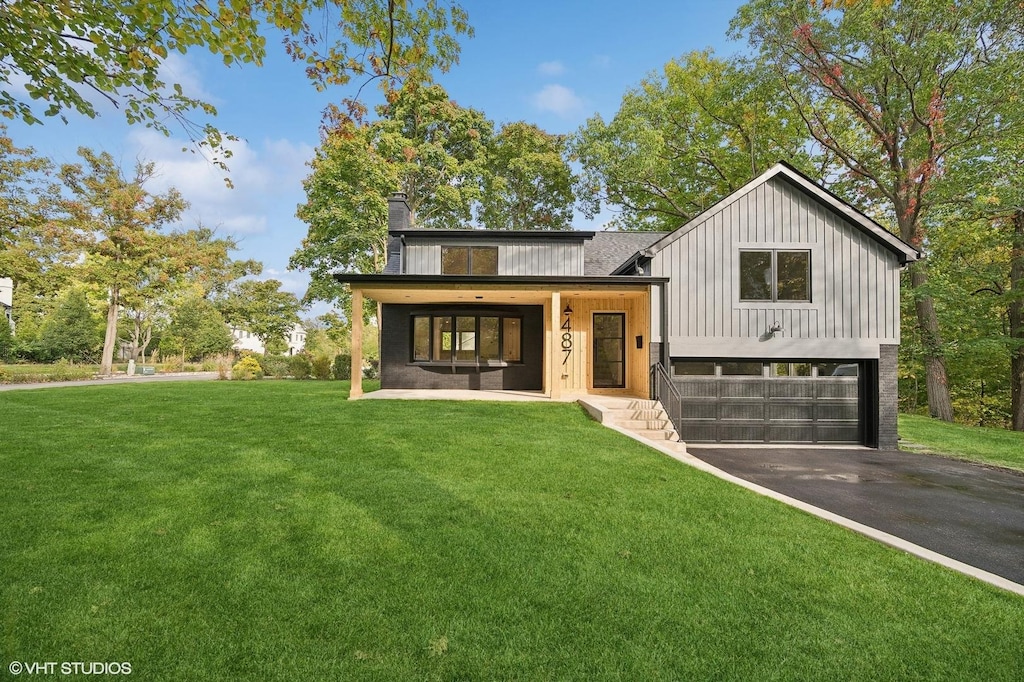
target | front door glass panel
[{"x": 609, "y": 368}]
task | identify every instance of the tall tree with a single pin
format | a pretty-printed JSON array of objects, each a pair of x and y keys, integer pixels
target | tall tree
[
  {"x": 528, "y": 183},
  {"x": 71, "y": 332},
  {"x": 685, "y": 138},
  {"x": 116, "y": 222},
  {"x": 261, "y": 307},
  {"x": 440, "y": 151},
  {"x": 423, "y": 144},
  {"x": 31, "y": 251},
  {"x": 980, "y": 241},
  {"x": 193, "y": 262},
  {"x": 346, "y": 210},
  {"x": 892, "y": 89},
  {"x": 68, "y": 53},
  {"x": 199, "y": 329}
]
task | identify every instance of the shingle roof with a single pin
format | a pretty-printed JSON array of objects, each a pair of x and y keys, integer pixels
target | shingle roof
[{"x": 608, "y": 250}]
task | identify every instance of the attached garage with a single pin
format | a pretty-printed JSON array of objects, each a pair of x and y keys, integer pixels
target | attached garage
[{"x": 755, "y": 401}]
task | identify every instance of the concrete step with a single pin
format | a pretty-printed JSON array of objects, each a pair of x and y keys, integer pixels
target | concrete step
[
  {"x": 659, "y": 434},
  {"x": 644, "y": 404},
  {"x": 644, "y": 424},
  {"x": 655, "y": 413}
]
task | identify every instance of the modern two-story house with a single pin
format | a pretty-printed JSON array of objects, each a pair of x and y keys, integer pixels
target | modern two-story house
[{"x": 773, "y": 315}]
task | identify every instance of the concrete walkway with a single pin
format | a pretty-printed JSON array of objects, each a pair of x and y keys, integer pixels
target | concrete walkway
[{"x": 117, "y": 379}]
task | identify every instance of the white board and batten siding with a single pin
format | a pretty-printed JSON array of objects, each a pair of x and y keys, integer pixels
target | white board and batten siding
[
  {"x": 854, "y": 303},
  {"x": 515, "y": 257}
]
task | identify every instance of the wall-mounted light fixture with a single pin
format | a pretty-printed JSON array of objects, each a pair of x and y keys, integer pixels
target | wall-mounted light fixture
[
  {"x": 775, "y": 328},
  {"x": 568, "y": 310}
]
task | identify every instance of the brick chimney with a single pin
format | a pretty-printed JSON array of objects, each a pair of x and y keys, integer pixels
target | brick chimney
[{"x": 399, "y": 215}]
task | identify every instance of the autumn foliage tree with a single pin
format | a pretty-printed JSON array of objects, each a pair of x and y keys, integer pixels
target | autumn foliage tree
[
  {"x": 115, "y": 222},
  {"x": 894, "y": 90}
]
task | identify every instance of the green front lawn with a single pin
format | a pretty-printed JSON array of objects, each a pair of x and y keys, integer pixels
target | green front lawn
[
  {"x": 273, "y": 531},
  {"x": 975, "y": 443}
]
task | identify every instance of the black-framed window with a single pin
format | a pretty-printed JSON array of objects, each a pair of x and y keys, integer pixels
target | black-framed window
[
  {"x": 469, "y": 260},
  {"x": 792, "y": 369},
  {"x": 466, "y": 339},
  {"x": 693, "y": 368},
  {"x": 775, "y": 275}
]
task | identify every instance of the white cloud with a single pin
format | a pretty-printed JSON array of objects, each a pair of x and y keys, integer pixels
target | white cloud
[
  {"x": 261, "y": 176},
  {"x": 177, "y": 69},
  {"x": 554, "y": 68},
  {"x": 557, "y": 99}
]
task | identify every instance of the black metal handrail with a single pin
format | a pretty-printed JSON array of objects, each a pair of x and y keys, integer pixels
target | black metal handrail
[{"x": 664, "y": 390}]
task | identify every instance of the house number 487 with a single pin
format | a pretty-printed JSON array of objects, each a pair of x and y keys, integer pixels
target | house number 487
[{"x": 566, "y": 338}]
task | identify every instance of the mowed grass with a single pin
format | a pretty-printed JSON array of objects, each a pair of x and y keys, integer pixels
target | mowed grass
[
  {"x": 274, "y": 531},
  {"x": 974, "y": 443}
]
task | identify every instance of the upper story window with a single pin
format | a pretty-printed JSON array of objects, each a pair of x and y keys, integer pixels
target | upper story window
[
  {"x": 469, "y": 260},
  {"x": 775, "y": 275}
]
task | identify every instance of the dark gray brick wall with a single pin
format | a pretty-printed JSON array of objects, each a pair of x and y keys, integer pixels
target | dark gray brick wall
[
  {"x": 396, "y": 370},
  {"x": 888, "y": 396}
]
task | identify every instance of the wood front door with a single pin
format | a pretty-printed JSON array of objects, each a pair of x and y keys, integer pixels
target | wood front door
[{"x": 609, "y": 357}]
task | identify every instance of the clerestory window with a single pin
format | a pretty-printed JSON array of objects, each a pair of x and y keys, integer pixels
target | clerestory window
[{"x": 469, "y": 260}]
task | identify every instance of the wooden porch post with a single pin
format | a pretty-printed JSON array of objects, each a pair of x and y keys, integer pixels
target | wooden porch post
[
  {"x": 554, "y": 374},
  {"x": 357, "y": 344}
]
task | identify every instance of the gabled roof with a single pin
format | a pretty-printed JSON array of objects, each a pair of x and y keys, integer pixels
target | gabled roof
[
  {"x": 609, "y": 250},
  {"x": 905, "y": 252}
]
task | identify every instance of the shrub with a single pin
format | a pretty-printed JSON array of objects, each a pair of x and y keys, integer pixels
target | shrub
[
  {"x": 373, "y": 371},
  {"x": 247, "y": 368},
  {"x": 342, "y": 366},
  {"x": 62, "y": 370},
  {"x": 321, "y": 367},
  {"x": 275, "y": 366},
  {"x": 300, "y": 366},
  {"x": 209, "y": 366},
  {"x": 173, "y": 364}
]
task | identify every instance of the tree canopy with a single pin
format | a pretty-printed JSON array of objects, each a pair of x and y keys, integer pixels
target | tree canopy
[
  {"x": 685, "y": 138},
  {"x": 527, "y": 184},
  {"x": 69, "y": 55}
]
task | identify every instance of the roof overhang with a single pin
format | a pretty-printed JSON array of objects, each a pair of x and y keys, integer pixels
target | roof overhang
[
  {"x": 483, "y": 290},
  {"x": 540, "y": 235}
]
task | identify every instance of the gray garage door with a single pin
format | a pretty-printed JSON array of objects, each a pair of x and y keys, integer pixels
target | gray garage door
[{"x": 787, "y": 403}]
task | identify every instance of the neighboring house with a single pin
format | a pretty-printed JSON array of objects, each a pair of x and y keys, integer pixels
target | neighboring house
[
  {"x": 7, "y": 300},
  {"x": 246, "y": 340},
  {"x": 774, "y": 314}
]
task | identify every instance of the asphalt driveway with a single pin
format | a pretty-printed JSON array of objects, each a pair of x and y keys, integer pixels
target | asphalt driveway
[{"x": 971, "y": 513}]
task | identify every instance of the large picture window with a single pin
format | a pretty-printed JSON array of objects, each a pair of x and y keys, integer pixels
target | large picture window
[
  {"x": 469, "y": 260},
  {"x": 775, "y": 275},
  {"x": 467, "y": 339}
]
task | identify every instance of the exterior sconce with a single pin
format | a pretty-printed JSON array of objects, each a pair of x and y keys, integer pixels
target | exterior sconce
[
  {"x": 568, "y": 310},
  {"x": 775, "y": 328}
]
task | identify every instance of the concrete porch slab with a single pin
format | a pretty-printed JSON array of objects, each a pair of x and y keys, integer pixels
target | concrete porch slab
[{"x": 451, "y": 394}]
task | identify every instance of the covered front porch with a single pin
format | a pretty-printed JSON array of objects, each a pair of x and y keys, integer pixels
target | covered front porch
[{"x": 550, "y": 340}]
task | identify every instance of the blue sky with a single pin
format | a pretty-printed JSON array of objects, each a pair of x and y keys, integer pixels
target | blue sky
[{"x": 552, "y": 63}]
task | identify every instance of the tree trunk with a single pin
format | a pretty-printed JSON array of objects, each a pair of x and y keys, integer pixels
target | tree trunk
[
  {"x": 110, "y": 339},
  {"x": 1015, "y": 315},
  {"x": 936, "y": 379}
]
